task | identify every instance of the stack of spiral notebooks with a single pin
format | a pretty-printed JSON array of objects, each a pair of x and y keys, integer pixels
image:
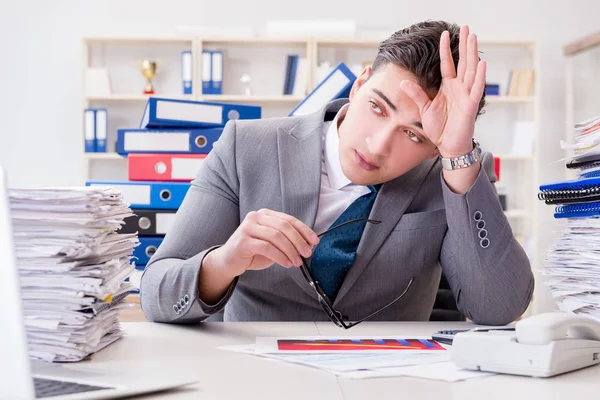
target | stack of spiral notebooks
[{"x": 579, "y": 197}]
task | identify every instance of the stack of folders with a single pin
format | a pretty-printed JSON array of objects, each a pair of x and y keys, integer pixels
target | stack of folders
[
  {"x": 164, "y": 155},
  {"x": 73, "y": 264},
  {"x": 572, "y": 264}
]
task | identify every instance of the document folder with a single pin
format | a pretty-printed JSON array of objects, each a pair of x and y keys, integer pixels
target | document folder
[
  {"x": 174, "y": 113},
  {"x": 148, "y": 195},
  {"x": 149, "y": 222},
  {"x": 146, "y": 249},
  {"x": 336, "y": 85},
  {"x": 167, "y": 141},
  {"x": 164, "y": 167},
  {"x": 89, "y": 130}
]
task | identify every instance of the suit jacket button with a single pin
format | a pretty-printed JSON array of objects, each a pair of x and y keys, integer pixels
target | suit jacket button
[
  {"x": 477, "y": 215},
  {"x": 485, "y": 242}
]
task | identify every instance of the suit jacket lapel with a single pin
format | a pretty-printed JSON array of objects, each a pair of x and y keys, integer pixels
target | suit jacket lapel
[
  {"x": 391, "y": 202},
  {"x": 300, "y": 152}
]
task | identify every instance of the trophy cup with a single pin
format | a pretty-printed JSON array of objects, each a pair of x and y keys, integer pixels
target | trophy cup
[{"x": 149, "y": 69}]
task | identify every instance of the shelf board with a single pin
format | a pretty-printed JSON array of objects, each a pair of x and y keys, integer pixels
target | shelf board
[
  {"x": 218, "y": 98},
  {"x": 253, "y": 99},
  {"x": 254, "y": 41},
  {"x": 516, "y": 213},
  {"x": 104, "y": 156},
  {"x": 349, "y": 42},
  {"x": 512, "y": 157},
  {"x": 509, "y": 99},
  {"x": 136, "y": 97},
  {"x": 138, "y": 40}
]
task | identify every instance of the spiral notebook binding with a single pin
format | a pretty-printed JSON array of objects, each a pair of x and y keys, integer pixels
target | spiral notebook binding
[
  {"x": 578, "y": 210},
  {"x": 590, "y": 165},
  {"x": 570, "y": 190},
  {"x": 593, "y": 174},
  {"x": 554, "y": 195}
]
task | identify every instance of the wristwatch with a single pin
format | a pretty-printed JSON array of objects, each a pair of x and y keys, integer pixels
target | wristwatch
[{"x": 452, "y": 163}]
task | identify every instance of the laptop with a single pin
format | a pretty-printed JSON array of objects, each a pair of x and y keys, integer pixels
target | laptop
[{"x": 54, "y": 381}]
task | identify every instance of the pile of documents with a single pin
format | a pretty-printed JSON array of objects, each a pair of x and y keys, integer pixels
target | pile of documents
[
  {"x": 73, "y": 268},
  {"x": 572, "y": 264},
  {"x": 572, "y": 267},
  {"x": 362, "y": 357}
]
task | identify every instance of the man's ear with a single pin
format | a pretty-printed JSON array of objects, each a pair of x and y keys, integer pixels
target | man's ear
[{"x": 360, "y": 80}]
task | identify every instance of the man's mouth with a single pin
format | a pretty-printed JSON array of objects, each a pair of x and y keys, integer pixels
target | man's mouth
[{"x": 363, "y": 162}]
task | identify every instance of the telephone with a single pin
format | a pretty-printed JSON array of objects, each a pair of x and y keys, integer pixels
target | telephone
[{"x": 542, "y": 345}]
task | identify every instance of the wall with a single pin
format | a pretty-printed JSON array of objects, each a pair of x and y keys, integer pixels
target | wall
[{"x": 41, "y": 77}]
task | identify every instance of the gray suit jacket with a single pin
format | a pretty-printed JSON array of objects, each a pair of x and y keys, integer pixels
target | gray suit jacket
[{"x": 276, "y": 164}]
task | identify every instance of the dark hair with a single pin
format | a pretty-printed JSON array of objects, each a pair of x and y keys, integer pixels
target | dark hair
[{"x": 416, "y": 49}]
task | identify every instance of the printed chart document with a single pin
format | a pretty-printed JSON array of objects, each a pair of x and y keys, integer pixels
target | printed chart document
[{"x": 362, "y": 357}]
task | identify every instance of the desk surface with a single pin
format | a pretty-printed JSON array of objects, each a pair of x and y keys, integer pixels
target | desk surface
[{"x": 229, "y": 375}]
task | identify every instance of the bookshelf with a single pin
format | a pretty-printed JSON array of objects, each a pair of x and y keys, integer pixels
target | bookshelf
[
  {"x": 582, "y": 66},
  {"x": 264, "y": 59}
]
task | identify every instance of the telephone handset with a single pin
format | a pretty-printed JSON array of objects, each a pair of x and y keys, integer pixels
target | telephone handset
[
  {"x": 542, "y": 345},
  {"x": 550, "y": 327}
]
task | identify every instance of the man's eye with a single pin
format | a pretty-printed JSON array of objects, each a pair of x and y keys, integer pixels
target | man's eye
[
  {"x": 414, "y": 137},
  {"x": 375, "y": 107}
]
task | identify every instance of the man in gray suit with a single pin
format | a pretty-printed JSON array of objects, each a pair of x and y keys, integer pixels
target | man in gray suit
[{"x": 399, "y": 151}]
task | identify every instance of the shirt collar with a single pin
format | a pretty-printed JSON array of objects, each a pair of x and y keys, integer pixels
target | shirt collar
[{"x": 337, "y": 179}]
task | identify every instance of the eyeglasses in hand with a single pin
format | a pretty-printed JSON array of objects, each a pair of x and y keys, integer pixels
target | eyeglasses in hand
[{"x": 326, "y": 304}]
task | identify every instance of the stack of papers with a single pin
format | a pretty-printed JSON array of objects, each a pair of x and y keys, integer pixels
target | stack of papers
[
  {"x": 586, "y": 139},
  {"x": 361, "y": 358},
  {"x": 73, "y": 267},
  {"x": 572, "y": 267}
]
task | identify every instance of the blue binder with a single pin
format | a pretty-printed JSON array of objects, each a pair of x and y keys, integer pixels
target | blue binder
[
  {"x": 216, "y": 72},
  {"x": 173, "y": 113},
  {"x": 147, "y": 248},
  {"x": 89, "y": 130},
  {"x": 336, "y": 85},
  {"x": 168, "y": 141},
  {"x": 206, "y": 70},
  {"x": 187, "y": 69},
  {"x": 145, "y": 194},
  {"x": 101, "y": 130}
]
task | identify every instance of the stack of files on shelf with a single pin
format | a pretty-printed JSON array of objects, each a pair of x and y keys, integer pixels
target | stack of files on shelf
[
  {"x": 73, "y": 264},
  {"x": 164, "y": 154},
  {"x": 572, "y": 264}
]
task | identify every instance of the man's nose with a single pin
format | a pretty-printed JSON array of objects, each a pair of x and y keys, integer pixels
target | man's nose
[{"x": 379, "y": 143}]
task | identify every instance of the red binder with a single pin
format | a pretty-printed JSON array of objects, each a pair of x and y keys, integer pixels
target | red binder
[{"x": 164, "y": 167}]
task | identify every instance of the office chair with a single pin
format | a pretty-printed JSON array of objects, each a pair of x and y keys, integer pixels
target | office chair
[{"x": 444, "y": 307}]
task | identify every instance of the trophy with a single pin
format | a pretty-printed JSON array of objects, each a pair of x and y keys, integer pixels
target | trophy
[{"x": 149, "y": 69}]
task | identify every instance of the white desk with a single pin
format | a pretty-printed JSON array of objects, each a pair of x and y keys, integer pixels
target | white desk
[{"x": 229, "y": 375}]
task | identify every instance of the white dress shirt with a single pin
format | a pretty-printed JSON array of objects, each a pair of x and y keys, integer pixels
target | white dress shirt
[{"x": 337, "y": 192}]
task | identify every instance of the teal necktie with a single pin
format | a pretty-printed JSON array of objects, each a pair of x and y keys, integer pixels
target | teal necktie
[{"x": 334, "y": 255}]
